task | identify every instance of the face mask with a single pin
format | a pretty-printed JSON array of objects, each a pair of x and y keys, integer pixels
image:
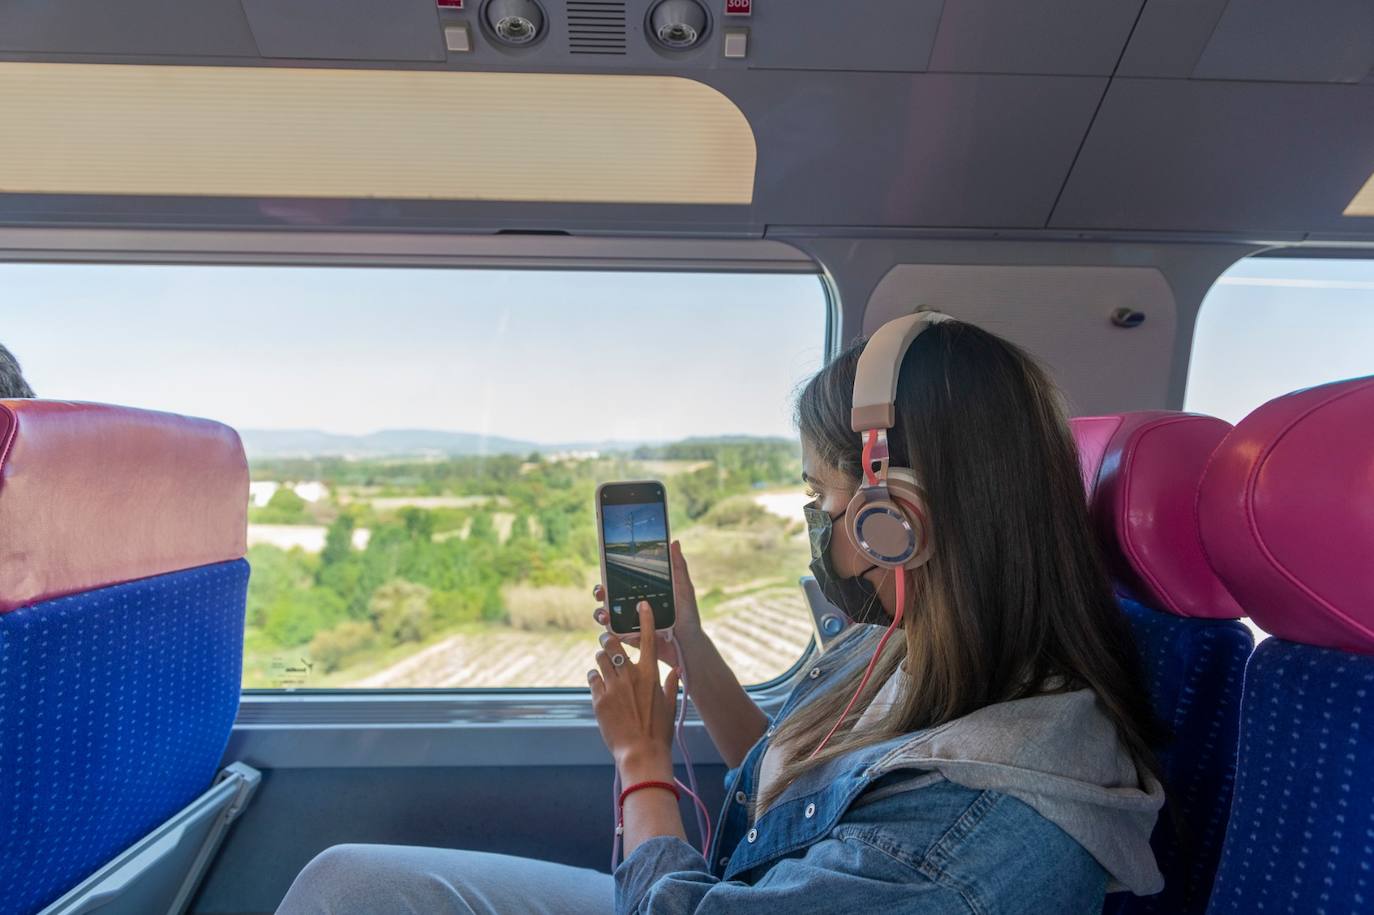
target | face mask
[{"x": 855, "y": 594}]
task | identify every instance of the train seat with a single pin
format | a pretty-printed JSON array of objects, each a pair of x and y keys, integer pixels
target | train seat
[
  {"x": 122, "y": 593},
  {"x": 1142, "y": 472},
  {"x": 1287, "y": 517}
]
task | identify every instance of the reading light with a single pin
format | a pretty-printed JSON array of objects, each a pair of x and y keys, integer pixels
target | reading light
[
  {"x": 677, "y": 24},
  {"x": 515, "y": 22}
]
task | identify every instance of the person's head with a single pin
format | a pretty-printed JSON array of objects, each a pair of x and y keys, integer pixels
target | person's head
[
  {"x": 1014, "y": 599},
  {"x": 12, "y": 383}
]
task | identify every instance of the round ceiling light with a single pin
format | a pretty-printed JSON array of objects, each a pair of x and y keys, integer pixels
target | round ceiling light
[
  {"x": 678, "y": 24},
  {"x": 515, "y": 22}
]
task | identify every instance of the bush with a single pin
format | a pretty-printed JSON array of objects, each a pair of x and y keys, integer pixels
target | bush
[
  {"x": 564, "y": 571},
  {"x": 452, "y": 608},
  {"x": 332, "y": 647},
  {"x": 549, "y": 607},
  {"x": 400, "y": 611},
  {"x": 738, "y": 511}
]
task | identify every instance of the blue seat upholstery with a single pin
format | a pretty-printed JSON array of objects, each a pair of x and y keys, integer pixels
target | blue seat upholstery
[
  {"x": 115, "y": 708},
  {"x": 1142, "y": 471},
  {"x": 1301, "y": 837},
  {"x": 1286, "y": 512},
  {"x": 1194, "y": 669}
]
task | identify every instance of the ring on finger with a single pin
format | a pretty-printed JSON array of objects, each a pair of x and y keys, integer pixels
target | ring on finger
[{"x": 618, "y": 660}]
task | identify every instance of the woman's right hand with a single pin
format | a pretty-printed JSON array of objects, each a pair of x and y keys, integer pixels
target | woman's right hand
[{"x": 687, "y": 622}]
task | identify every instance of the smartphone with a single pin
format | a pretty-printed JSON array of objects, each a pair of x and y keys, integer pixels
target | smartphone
[{"x": 632, "y": 521}]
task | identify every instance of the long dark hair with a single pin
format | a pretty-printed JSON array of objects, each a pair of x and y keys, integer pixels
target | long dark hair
[{"x": 1015, "y": 600}]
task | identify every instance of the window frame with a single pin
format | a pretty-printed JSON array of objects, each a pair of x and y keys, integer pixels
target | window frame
[{"x": 391, "y": 727}]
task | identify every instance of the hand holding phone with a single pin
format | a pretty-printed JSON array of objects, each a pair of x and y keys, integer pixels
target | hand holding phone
[{"x": 632, "y": 523}]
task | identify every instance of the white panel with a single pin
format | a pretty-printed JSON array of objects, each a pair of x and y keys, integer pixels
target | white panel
[
  {"x": 256, "y": 131},
  {"x": 1108, "y": 368}
]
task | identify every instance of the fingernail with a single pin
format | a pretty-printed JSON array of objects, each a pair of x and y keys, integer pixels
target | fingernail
[{"x": 643, "y": 605}]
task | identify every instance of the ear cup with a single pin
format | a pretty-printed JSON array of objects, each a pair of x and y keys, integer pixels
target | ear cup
[{"x": 890, "y": 524}]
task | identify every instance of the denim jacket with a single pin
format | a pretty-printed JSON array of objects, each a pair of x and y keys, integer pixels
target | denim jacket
[{"x": 1023, "y": 807}]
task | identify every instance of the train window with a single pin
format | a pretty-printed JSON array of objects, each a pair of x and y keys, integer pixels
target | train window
[
  {"x": 1277, "y": 324},
  {"x": 425, "y": 445},
  {"x": 1274, "y": 325}
]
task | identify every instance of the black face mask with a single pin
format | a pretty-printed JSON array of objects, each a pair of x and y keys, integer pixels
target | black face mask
[{"x": 855, "y": 595}]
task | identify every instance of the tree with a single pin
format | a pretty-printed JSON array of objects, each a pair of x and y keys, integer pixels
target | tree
[
  {"x": 520, "y": 532},
  {"x": 293, "y": 617},
  {"x": 275, "y": 572},
  {"x": 419, "y": 523},
  {"x": 285, "y": 507},
  {"x": 400, "y": 611},
  {"x": 338, "y": 541},
  {"x": 482, "y": 529}
]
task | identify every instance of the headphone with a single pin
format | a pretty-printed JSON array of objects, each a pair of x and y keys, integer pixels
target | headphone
[{"x": 887, "y": 520}]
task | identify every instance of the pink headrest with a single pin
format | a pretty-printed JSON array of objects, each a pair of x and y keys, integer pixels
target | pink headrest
[
  {"x": 1142, "y": 472},
  {"x": 1287, "y": 515},
  {"x": 93, "y": 495}
]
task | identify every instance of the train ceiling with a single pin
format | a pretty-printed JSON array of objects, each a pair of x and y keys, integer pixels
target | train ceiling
[{"x": 1247, "y": 119}]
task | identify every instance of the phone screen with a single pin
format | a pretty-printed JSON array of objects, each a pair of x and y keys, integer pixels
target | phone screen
[{"x": 634, "y": 551}]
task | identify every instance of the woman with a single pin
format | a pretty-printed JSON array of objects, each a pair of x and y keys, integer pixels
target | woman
[{"x": 992, "y": 757}]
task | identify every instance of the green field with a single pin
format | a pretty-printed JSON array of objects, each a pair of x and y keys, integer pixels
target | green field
[{"x": 422, "y": 561}]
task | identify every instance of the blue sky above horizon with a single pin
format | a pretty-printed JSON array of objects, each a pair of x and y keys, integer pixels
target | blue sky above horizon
[
  {"x": 650, "y": 524},
  {"x": 1274, "y": 325},
  {"x": 558, "y": 356},
  {"x": 547, "y": 357}
]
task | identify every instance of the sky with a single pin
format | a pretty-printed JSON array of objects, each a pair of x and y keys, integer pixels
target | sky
[
  {"x": 648, "y": 518},
  {"x": 1274, "y": 325},
  {"x": 557, "y": 357},
  {"x": 550, "y": 357}
]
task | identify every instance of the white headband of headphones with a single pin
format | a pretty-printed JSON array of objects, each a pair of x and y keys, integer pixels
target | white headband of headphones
[{"x": 875, "y": 380}]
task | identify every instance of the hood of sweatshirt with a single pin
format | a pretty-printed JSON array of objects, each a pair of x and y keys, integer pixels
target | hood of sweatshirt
[{"x": 1060, "y": 754}]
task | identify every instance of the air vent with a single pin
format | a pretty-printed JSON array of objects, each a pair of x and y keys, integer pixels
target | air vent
[{"x": 596, "y": 26}]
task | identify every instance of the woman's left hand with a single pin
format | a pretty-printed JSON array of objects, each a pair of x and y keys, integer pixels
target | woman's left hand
[{"x": 634, "y": 713}]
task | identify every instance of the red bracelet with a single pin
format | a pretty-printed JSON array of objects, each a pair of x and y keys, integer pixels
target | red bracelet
[{"x": 666, "y": 786}]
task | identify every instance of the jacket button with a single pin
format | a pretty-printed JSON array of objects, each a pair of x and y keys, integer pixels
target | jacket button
[
  {"x": 810, "y": 811},
  {"x": 815, "y": 672},
  {"x": 725, "y": 862},
  {"x": 741, "y": 797},
  {"x": 753, "y": 834}
]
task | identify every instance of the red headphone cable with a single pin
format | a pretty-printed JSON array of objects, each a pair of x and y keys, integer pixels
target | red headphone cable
[{"x": 872, "y": 662}]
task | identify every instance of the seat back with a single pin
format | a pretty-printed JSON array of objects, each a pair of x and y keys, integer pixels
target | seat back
[
  {"x": 1287, "y": 517},
  {"x": 1142, "y": 471},
  {"x": 122, "y": 593}
]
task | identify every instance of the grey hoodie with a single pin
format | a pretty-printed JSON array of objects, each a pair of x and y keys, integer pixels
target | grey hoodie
[{"x": 1059, "y": 754}]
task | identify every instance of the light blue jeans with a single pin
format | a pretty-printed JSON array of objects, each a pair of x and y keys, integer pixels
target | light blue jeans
[{"x": 375, "y": 879}]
